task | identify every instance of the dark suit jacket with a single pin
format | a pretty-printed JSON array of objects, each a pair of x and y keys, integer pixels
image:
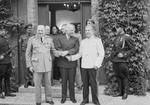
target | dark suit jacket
[
  {"x": 4, "y": 47},
  {"x": 71, "y": 45}
]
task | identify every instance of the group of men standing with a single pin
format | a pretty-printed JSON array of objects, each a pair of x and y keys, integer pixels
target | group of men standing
[
  {"x": 37, "y": 50},
  {"x": 39, "y": 61}
]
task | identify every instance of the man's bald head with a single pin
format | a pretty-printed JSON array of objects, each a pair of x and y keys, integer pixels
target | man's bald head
[{"x": 40, "y": 30}]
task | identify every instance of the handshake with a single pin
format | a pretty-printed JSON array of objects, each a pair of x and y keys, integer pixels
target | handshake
[
  {"x": 69, "y": 58},
  {"x": 63, "y": 53}
]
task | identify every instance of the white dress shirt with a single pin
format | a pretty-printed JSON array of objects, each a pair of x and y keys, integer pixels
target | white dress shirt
[{"x": 92, "y": 53}]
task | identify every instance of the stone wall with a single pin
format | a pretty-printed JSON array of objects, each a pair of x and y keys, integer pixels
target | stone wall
[
  {"x": 32, "y": 12},
  {"x": 19, "y": 9}
]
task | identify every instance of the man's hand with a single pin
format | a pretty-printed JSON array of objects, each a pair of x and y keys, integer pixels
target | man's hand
[
  {"x": 69, "y": 58},
  {"x": 31, "y": 69},
  {"x": 1, "y": 57},
  {"x": 120, "y": 55},
  {"x": 11, "y": 55},
  {"x": 95, "y": 67},
  {"x": 64, "y": 53}
]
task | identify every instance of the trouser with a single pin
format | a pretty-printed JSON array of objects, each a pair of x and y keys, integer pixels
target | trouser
[
  {"x": 25, "y": 74},
  {"x": 29, "y": 77},
  {"x": 78, "y": 75},
  {"x": 56, "y": 70},
  {"x": 121, "y": 71},
  {"x": 68, "y": 74},
  {"x": 5, "y": 73},
  {"x": 38, "y": 76},
  {"x": 89, "y": 79}
]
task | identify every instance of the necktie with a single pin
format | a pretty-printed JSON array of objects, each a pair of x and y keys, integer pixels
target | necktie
[{"x": 41, "y": 40}]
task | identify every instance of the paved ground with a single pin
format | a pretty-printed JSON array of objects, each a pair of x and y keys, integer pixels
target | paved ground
[{"x": 23, "y": 98}]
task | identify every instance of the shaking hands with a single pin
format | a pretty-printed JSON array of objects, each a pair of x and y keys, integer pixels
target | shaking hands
[
  {"x": 69, "y": 58},
  {"x": 64, "y": 53}
]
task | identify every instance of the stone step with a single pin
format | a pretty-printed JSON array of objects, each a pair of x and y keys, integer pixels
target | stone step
[{"x": 56, "y": 90}]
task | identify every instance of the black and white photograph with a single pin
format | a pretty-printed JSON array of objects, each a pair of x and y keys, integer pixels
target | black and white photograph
[{"x": 74, "y": 52}]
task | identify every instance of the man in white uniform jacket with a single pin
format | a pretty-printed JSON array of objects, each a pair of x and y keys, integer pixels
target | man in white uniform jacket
[{"x": 92, "y": 53}]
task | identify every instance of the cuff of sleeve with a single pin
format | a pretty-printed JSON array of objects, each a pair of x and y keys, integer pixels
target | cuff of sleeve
[
  {"x": 69, "y": 52},
  {"x": 29, "y": 65},
  {"x": 97, "y": 66}
]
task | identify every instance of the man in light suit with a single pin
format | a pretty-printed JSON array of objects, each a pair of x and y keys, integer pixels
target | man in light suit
[
  {"x": 39, "y": 61},
  {"x": 92, "y": 53},
  {"x": 69, "y": 44}
]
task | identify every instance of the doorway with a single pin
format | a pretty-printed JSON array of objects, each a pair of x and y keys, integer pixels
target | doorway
[{"x": 56, "y": 14}]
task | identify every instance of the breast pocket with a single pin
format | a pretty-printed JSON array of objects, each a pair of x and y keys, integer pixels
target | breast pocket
[
  {"x": 47, "y": 45},
  {"x": 34, "y": 59}
]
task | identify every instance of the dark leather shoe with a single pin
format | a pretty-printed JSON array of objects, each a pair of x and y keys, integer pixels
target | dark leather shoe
[
  {"x": 83, "y": 102},
  {"x": 117, "y": 95},
  {"x": 50, "y": 102},
  {"x": 125, "y": 96},
  {"x": 97, "y": 104},
  {"x": 31, "y": 83},
  {"x": 63, "y": 100},
  {"x": 2, "y": 95},
  {"x": 10, "y": 95},
  {"x": 73, "y": 100},
  {"x": 26, "y": 84},
  {"x": 38, "y": 103}
]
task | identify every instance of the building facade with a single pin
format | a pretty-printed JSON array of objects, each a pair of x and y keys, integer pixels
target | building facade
[{"x": 44, "y": 12}]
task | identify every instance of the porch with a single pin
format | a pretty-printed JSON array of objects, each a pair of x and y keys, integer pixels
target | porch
[{"x": 26, "y": 97}]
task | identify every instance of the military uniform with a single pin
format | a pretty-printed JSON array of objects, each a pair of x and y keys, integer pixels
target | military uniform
[
  {"x": 39, "y": 57},
  {"x": 25, "y": 73},
  {"x": 122, "y": 50},
  {"x": 13, "y": 44},
  {"x": 5, "y": 66}
]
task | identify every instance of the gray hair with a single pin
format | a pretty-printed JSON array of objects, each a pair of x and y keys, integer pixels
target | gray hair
[
  {"x": 47, "y": 27},
  {"x": 41, "y": 27},
  {"x": 68, "y": 26}
]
